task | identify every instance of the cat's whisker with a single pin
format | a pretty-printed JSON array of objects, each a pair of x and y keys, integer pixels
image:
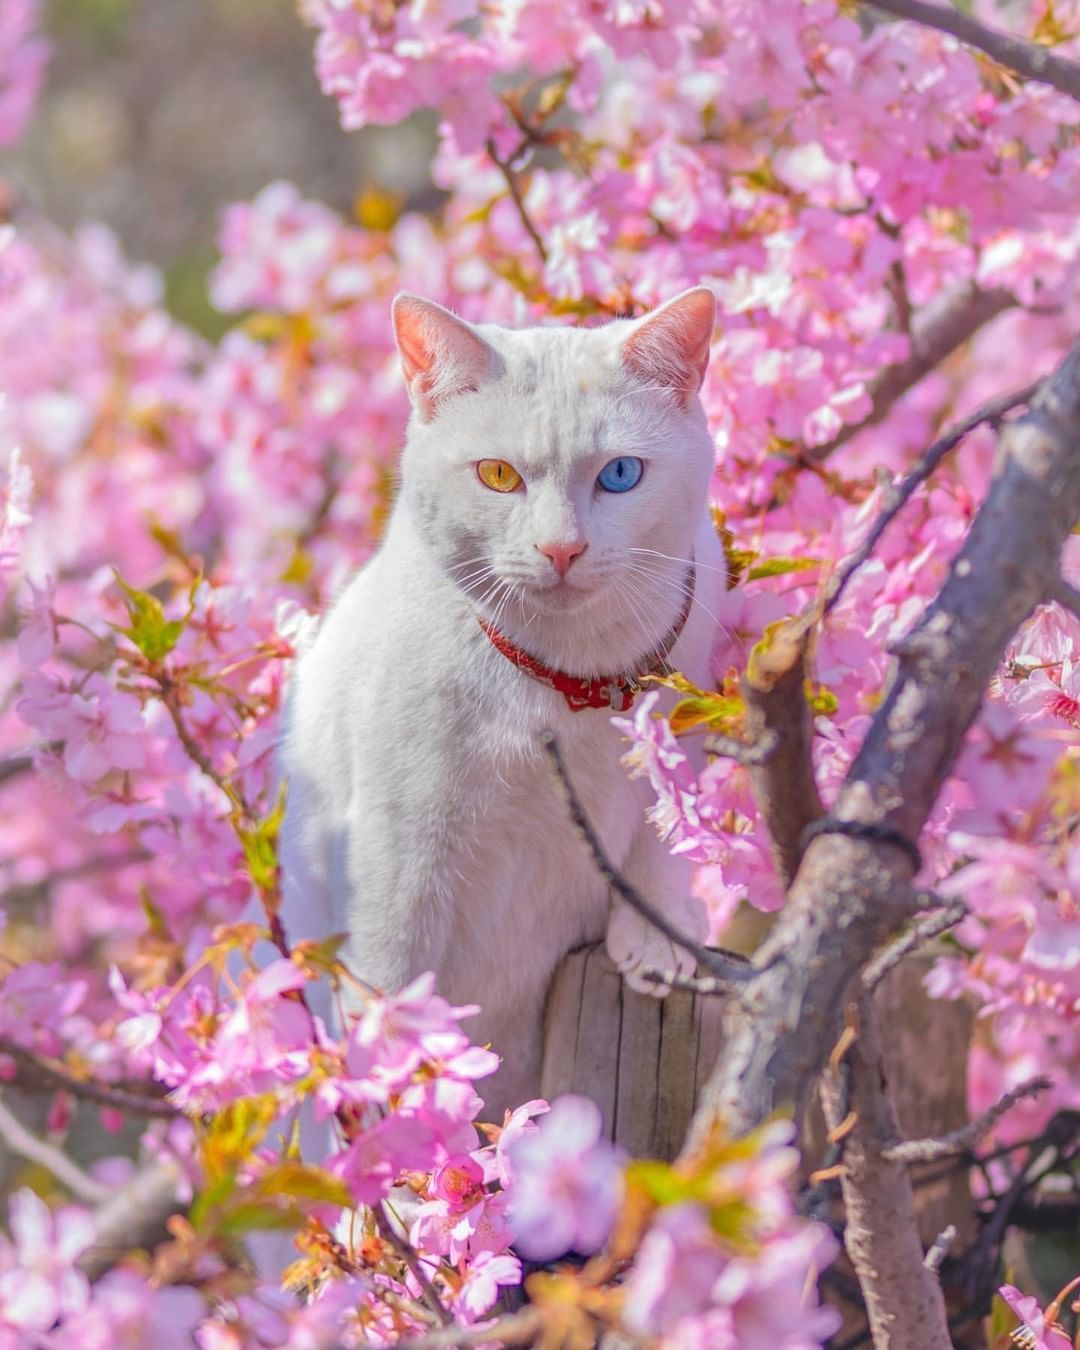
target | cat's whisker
[
  {"x": 631, "y": 594},
  {"x": 658, "y": 579},
  {"x": 474, "y": 584},
  {"x": 668, "y": 557}
]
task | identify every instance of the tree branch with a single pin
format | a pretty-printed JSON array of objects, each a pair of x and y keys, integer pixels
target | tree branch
[
  {"x": 34, "y": 1072},
  {"x": 742, "y": 752},
  {"x": 405, "y": 1251},
  {"x": 897, "y": 495},
  {"x": 14, "y": 766},
  {"x": 27, "y": 1145},
  {"x": 964, "y": 1139},
  {"x": 774, "y": 688},
  {"x": 134, "y": 1217},
  {"x": 517, "y": 197},
  {"x": 851, "y": 894},
  {"x": 1029, "y": 60},
  {"x": 939, "y": 1250},
  {"x": 904, "y": 1303},
  {"x": 520, "y": 1328},
  {"x": 705, "y": 956},
  {"x": 932, "y": 926},
  {"x": 936, "y": 331}
]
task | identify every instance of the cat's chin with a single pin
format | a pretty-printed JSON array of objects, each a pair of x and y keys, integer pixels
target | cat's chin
[{"x": 562, "y": 598}]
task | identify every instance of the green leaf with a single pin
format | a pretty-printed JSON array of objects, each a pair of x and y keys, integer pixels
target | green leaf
[
  {"x": 716, "y": 712},
  {"x": 256, "y": 1217},
  {"x": 659, "y": 1181},
  {"x": 302, "y": 1181},
  {"x": 260, "y": 847},
  {"x": 821, "y": 698},
  {"x": 210, "y": 1199},
  {"x": 153, "y": 634},
  {"x": 778, "y": 567}
]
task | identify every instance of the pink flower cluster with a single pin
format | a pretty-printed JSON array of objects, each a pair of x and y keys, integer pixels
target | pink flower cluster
[{"x": 697, "y": 1286}]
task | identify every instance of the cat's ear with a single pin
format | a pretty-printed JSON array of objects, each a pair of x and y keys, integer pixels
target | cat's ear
[
  {"x": 441, "y": 355},
  {"x": 670, "y": 346}
]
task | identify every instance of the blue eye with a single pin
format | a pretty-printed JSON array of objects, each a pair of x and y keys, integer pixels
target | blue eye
[{"x": 621, "y": 474}]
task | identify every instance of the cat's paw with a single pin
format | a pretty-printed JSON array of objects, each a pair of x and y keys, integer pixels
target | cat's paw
[{"x": 640, "y": 950}]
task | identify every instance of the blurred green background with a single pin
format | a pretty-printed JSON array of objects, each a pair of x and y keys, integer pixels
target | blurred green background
[{"x": 158, "y": 113}]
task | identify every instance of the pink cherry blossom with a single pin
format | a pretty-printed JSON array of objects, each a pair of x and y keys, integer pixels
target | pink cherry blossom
[
  {"x": 39, "y": 1281},
  {"x": 1031, "y": 1316},
  {"x": 567, "y": 1182},
  {"x": 483, "y": 1279}
]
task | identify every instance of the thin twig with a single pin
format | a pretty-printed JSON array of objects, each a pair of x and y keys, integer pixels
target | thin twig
[
  {"x": 514, "y": 188},
  {"x": 898, "y": 494},
  {"x": 742, "y": 752},
  {"x": 923, "y": 930},
  {"x": 964, "y": 1139},
  {"x": 518, "y": 1328},
  {"x": 697, "y": 984},
  {"x": 941, "y": 326},
  {"x": 1029, "y": 60},
  {"x": 106, "y": 862},
  {"x": 721, "y": 967},
  {"x": 14, "y": 766},
  {"x": 939, "y": 1249},
  {"x": 170, "y": 698},
  {"x": 1068, "y": 597},
  {"x": 27, "y": 1145},
  {"x": 36, "y": 1072},
  {"x": 407, "y": 1254}
]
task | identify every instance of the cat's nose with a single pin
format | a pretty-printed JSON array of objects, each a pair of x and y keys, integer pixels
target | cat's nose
[{"x": 562, "y": 555}]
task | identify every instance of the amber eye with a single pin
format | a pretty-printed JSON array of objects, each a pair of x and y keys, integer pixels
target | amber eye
[{"x": 498, "y": 475}]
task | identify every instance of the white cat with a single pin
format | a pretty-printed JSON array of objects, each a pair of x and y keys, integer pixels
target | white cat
[{"x": 551, "y": 528}]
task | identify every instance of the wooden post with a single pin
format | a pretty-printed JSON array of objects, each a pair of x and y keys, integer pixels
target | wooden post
[
  {"x": 639, "y": 1058},
  {"x": 643, "y": 1061}
]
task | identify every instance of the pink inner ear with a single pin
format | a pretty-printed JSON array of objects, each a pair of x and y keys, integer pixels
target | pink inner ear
[
  {"x": 670, "y": 347},
  {"x": 440, "y": 354}
]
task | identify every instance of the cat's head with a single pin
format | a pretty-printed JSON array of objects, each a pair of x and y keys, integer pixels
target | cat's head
[{"x": 559, "y": 472}]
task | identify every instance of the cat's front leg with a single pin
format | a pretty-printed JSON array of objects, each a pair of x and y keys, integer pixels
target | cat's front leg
[{"x": 633, "y": 943}]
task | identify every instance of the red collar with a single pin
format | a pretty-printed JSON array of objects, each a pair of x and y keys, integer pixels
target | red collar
[{"x": 602, "y": 691}]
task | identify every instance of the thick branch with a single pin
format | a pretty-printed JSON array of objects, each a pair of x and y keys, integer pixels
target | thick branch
[
  {"x": 904, "y": 1303},
  {"x": 851, "y": 894},
  {"x": 1029, "y": 60},
  {"x": 777, "y": 712},
  {"x": 936, "y": 332},
  {"x": 134, "y": 1218}
]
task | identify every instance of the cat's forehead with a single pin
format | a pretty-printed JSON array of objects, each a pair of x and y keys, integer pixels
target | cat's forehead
[
  {"x": 540, "y": 357},
  {"x": 563, "y": 393}
]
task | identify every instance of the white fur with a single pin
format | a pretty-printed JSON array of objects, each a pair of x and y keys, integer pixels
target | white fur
[{"x": 421, "y": 816}]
